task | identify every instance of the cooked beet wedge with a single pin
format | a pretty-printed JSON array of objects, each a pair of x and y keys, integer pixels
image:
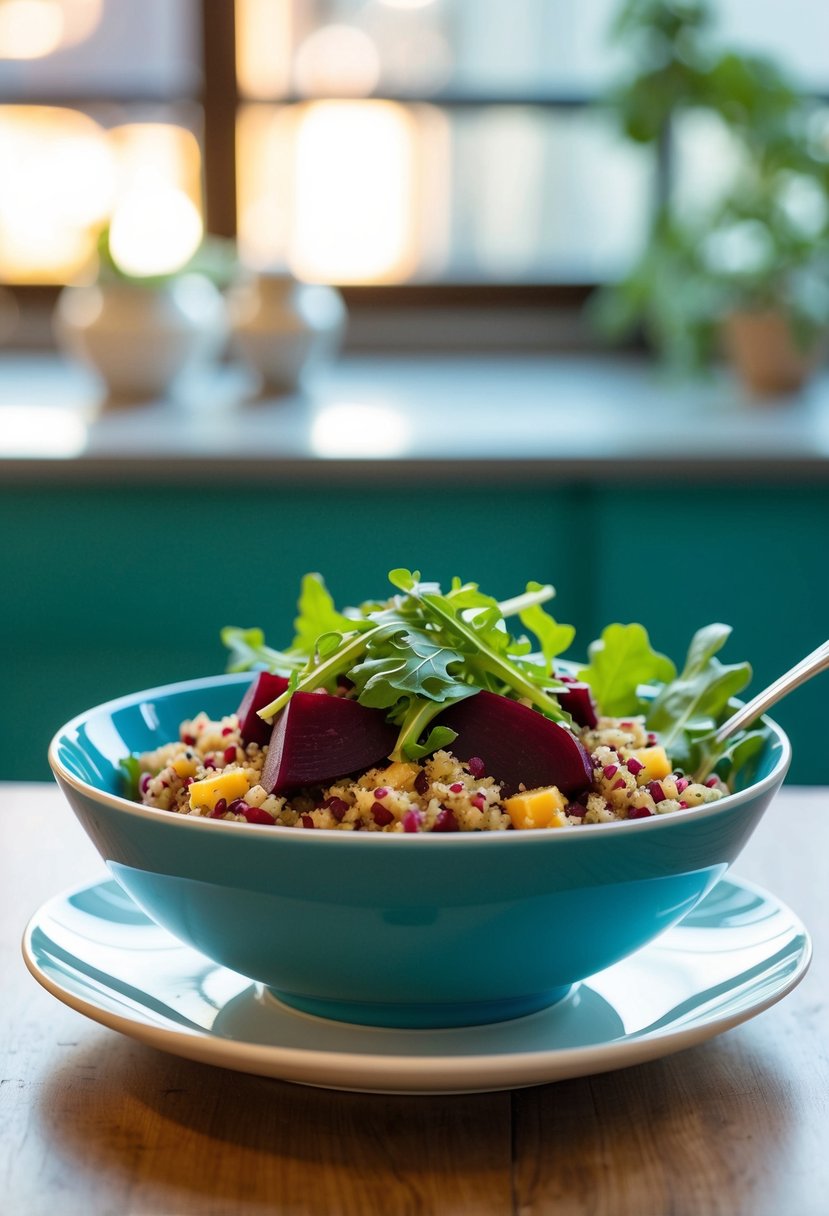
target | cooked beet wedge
[
  {"x": 317, "y": 738},
  {"x": 518, "y": 745},
  {"x": 264, "y": 688},
  {"x": 577, "y": 700}
]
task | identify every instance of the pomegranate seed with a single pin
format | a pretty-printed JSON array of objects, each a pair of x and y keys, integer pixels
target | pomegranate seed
[
  {"x": 639, "y": 812},
  {"x": 338, "y": 808},
  {"x": 576, "y": 810},
  {"x": 476, "y": 766},
  {"x": 227, "y": 730},
  {"x": 712, "y": 783},
  {"x": 255, "y": 814},
  {"x": 188, "y": 739},
  {"x": 411, "y": 821},
  {"x": 307, "y": 821},
  {"x": 567, "y": 679},
  {"x": 446, "y": 821},
  {"x": 382, "y": 792},
  {"x": 237, "y": 806},
  {"x": 682, "y": 785},
  {"x": 619, "y": 785},
  {"x": 210, "y": 761},
  {"x": 144, "y": 782},
  {"x": 651, "y": 740},
  {"x": 219, "y": 810},
  {"x": 626, "y": 726},
  {"x": 421, "y": 783},
  {"x": 381, "y": 814},
  {"x": 634, "y": 766},
  {"x": 188, "y": 781},
  {"x": 656, "y": 791},
  {"x": 684, "y": 806},
  {"x": 456, "y": 787},
  {"x": 478, "y": 801},
  {"x": 229, "y": 755},
  {"x": 610, "y": 770}
]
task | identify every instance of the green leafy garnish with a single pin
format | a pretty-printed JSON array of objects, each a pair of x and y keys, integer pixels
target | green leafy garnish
[
  {"x": 699, "y": 697},
  {"x": 317, "y": 614},
  {"x": 422, "y": 650},
  {"x": 131, "y": 775},
  {"x": 621, "y": 661},
  {"x": 414, "y": 654}
]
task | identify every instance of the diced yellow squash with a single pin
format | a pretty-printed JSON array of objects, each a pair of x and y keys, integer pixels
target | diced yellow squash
[
  {"x": 207, "y": 793},
  {"x": 399, "y": 775},
  {"x": 542, "y": 808},
  {"x": 656, "y": 762},
  {"x": 185, "y": 766}
]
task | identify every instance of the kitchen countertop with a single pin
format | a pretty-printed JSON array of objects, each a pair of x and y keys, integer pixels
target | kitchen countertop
[
  {"x": 544, "y": 418},
  {"x": 93, "y": 1122}
]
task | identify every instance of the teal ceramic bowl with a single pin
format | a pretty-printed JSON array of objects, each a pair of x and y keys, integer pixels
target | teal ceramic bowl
[{"x": 387, "y": 929}]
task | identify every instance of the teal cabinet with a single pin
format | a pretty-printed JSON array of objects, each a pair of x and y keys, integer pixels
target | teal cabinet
[
  {"x": 113, "y": 589},
  {"x": 109, "y": 589}
]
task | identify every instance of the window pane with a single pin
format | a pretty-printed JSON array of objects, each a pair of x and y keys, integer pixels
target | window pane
[
  {"x": 526, "y": 48},
  {"x": 99, "y": 48},
  {"x": 793, "y": 32},
  {"x": 373, "y": 192},
  {"x": 66, "y": 174}
]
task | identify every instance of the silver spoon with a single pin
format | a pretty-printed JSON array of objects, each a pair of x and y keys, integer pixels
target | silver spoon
[{"x": 812, "y": 665}]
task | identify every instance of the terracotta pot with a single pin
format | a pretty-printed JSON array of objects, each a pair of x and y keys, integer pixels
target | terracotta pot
[
  {"x": 766, "y": 354},
  {"x": 140, "y": 338},
  {"x": 285, "y": 328}
]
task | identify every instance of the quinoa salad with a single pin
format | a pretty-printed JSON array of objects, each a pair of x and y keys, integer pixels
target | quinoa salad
[
  {"x": 425, "y": 712},
  {"x": 210, "y": 772}
]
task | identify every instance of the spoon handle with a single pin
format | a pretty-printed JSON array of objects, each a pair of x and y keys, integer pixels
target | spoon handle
[{"x": 812, "y": 665}]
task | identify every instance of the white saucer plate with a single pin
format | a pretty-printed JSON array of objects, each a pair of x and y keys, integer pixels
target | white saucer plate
[{"x": 739, "y": 952}]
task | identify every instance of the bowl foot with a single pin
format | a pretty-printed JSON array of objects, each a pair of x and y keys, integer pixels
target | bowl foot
[{"x": 422, "y": 1016}]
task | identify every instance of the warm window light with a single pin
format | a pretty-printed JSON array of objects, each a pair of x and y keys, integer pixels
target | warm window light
[
  {"x": 30, "y": 29},
  {"x": 154, "y": 231},
  {"x": 264, "y": 46},
  {"x": 337, "y": 59},
  {"x": 58, "y": 180},
  {"x": 62, "y": 177},
  {"x": 354, "y": 193}
]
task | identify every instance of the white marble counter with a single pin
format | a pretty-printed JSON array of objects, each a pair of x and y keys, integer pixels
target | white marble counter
[{"x": 545, "y": 418}]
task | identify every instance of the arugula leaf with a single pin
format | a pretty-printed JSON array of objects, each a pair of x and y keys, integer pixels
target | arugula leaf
[
  {"x": 700, "y": 695},
  {"x": 317, "y": 615},
  {"x": 553, "y": 638},
  {"x": 248, "y": 652},
  {"x": 483, "y": 644},
  {"x": 621, "y": 660},
  {"x": 405, "y": 662},
  {"x": 131, "y": 775},
  {"x": 726, "y": 759}
]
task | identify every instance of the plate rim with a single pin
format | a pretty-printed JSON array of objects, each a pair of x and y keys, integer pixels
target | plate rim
[{"x": 416, "y": 1075}]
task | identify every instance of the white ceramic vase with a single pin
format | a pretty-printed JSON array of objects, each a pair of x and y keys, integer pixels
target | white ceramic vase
[
  {"x": 286, "y": 329},
  {"x": 139, "y": 337}
]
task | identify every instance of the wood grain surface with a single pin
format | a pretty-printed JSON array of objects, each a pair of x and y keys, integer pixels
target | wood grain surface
[{"x": 93, "y": 1123}]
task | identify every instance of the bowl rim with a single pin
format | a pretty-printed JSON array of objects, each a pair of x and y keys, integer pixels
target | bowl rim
[{"x": 581, "y": 831}]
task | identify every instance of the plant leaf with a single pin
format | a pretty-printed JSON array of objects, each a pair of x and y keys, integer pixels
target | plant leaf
[
  {"x": 700, "y": 695},
  {"x": 316, "y": 615},
  {"x": 553, "y": 638},
  {"x": 621, "y": 660}
]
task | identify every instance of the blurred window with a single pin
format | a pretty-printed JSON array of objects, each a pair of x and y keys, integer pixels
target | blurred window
[
  {"x": 367, "y": 142},
  {"x": 99, "y": 113}
]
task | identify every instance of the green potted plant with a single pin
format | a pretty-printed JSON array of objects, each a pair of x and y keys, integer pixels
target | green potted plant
[{"x": 749, "y": 270}]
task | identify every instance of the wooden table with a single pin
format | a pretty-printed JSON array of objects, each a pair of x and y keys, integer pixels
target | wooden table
[{"x": 92, "y": 1122}]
